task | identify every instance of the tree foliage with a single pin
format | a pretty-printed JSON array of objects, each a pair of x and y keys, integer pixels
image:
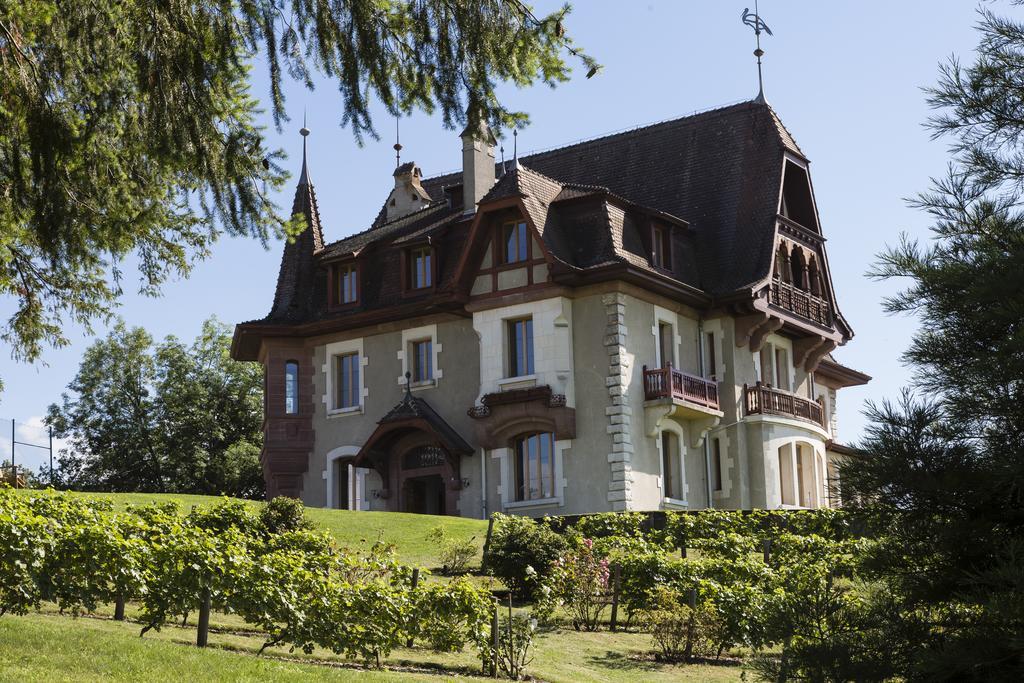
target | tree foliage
[
  {"x": 942, "y": 480},
  {"x": 128, "y": 126},
  {"x": 165, "y": 417}
]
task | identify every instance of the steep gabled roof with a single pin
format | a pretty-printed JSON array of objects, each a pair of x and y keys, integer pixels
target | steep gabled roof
[
  {"x": 295, "y": 276},
  {"x": 720, "y": 170}
]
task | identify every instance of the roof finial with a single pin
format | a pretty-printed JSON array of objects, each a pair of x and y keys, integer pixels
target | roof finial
[
  {"x": 397, "y": 146},
  {"x": 515, "y": 148},
  {"x": 755, "y": 22},
  {"x": 504, "y": 168},
  {"x": 408, "y": 385},
  {"x": 304, "y": 132}
]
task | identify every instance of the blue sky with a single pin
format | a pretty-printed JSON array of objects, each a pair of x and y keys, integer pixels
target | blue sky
[{"x": 846, "y": 79}]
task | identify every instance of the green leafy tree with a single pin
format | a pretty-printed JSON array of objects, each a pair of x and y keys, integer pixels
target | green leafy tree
[
  {"x": 162, "y": 418},
  {"x": 942, "y": 480},
  {"x": 128, "y": 126}
]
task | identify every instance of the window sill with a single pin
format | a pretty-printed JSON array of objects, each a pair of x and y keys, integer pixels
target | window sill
[
  {"x": 345, "y": 412},
  {"x": 674, "y": 503},
  {"x": 517, "y": 382},
  {"x": 536, "y": 502},
  {"x": 416, "y": 386}
]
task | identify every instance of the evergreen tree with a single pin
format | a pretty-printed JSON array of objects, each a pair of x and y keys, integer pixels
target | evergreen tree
[
  {"x": 942, "y": 477},
  {"x": 166, "y": 418},
  {"x": 127, "y": 126}
]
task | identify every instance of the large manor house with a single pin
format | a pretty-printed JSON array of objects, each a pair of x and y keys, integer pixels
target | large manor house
[{"x": 643, "y": 321}]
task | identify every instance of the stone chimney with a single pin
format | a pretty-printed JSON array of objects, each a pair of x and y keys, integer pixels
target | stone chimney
[
  {"x": 477, "y": 165},
  {"x": 408, "y": 195}
]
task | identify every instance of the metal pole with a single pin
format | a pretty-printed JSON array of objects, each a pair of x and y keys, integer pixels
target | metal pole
[
  {"x": 14, "y": 470},
  {"x": 50, "y": 430}
]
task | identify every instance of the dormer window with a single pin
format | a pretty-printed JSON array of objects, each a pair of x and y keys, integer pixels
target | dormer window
[
  {"x": 514, "y": 242},
  {"x": 344, "y": 284},
  {"x": 421, "y": 268},
  {"x": 661, "y": 247}
]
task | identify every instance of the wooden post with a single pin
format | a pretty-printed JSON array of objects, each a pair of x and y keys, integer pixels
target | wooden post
[
  {"x": 767, "y": 544},
  {"x": 690, "y": 624},
  {"x": 682, "y": 551},
  {"x": 487, "y": 543},
  {"x": 415, "y": 582},
  {"x": 512, "y": 658},
  {"x": 203, "y": 633},
  {"x": 119, "y": 608},
  {"x": 616, "y": 585},
  {"x": 494, "y": 640}
]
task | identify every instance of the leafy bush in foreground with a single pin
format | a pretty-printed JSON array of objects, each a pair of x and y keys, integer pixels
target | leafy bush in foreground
[{"x": 522, "y": 552}]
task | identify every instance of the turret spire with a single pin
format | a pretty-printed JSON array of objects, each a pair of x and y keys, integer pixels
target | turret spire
[{"x": 304, "y": 132}]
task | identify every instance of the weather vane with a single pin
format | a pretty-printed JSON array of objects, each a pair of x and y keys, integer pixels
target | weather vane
[{"x": 755, "y": 22}]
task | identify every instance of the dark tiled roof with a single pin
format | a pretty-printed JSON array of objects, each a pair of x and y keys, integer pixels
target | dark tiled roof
[
  {"x": 720, "y": 171},
  {"x": 295, "y": 279}
]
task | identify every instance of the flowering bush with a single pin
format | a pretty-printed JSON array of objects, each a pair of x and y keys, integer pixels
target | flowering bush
[{"x": 578, "y": 581}]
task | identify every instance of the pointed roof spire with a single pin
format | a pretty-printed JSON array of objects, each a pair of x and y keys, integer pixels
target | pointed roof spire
[{"x": 304, "y": 132}]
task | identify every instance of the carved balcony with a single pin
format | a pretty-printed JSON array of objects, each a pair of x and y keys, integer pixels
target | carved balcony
[
  {"x": 800, "y": 303},
  {"x": 762, "y": 399}
]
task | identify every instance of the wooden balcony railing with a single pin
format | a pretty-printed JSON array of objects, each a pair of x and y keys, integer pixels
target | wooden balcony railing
[
  {"x": 668, "y": 382},
  {"x": 804, "y": 304},
  {"x": 761, "y": 399}
]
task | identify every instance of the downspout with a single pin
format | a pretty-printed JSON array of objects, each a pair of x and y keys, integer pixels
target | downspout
[
  {"x": 707, "y": 446},
  {"x": 483, "y": 482}
]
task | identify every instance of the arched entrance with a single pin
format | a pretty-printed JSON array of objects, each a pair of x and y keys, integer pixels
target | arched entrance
[{"x": 417, "y": 455}]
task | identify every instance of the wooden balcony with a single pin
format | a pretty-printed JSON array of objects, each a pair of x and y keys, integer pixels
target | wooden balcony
[
  {"x": 801, "y": 303},
  {"x": 761, "y": 399},
  {"x": 668, "y": 382}
]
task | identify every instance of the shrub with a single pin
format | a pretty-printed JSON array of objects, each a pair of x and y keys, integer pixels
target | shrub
[
  {"x": 515, "y": 638},
  {"x": 681, "y": 632},
  {"x": 284, "y": 514},
  {"x": 451, "y": 615},
  {"x": 454, "y": 553},
  {"x": 579, "y": 582},
  {"x": 522, "y": 552}
]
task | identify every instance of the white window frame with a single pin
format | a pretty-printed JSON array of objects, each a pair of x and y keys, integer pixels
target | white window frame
[
  {"x": 415, "y": 334},
  {"x": 506, "y": 489},
  {"x": 663, "y": 315},
  {"x": 668, "y": 502},
  {"x": 340, "y": 349}
]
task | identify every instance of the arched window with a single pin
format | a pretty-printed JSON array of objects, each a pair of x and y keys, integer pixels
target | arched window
[
  {"x": 799, "y": 268},
  {"x": 787, "y": 483},
  {"x": 782, "y": 264},
  {"x": 535, "y": 466},
  {"x": 671, "y": 466},
  {"x": 814, "y": 275},
  {"x": 291, "y": 388}
]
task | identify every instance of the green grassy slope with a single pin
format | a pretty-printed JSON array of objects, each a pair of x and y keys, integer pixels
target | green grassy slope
[
  {"x": 49, "y": 648},
  {"x": 352, "y": 529}
]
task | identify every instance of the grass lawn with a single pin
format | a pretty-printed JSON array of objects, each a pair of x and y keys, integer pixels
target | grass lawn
[
  {"x": 46, "y": 647},
  {"x": 351, "y": 529}
]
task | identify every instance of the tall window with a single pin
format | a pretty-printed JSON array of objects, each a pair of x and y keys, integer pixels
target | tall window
[
  {"x": 535, "y": 466},
  {"x": 291, "y": 387},
  {"x": 661, "y": 247},
  {"x": 421, "y": 273},
  {"x": 520, "y": 347},
  {"x": 716, "y": 465},
  {"x": 781, "y": 369},
  {"x": 513, "y": 242},
  {"x": 346, "y": 380},
  {"x": 422, "y": 360},
  {"x": 346, "y": 284},
  {"x": 671, "y": 465},
  {"x": 709, "y": 358},
  {"x": 666, "y": 343}
]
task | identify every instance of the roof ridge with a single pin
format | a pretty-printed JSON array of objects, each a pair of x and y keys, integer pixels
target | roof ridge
[
  {"x": 710, "y": 112},
  {"x": 418, "y": 213}
]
